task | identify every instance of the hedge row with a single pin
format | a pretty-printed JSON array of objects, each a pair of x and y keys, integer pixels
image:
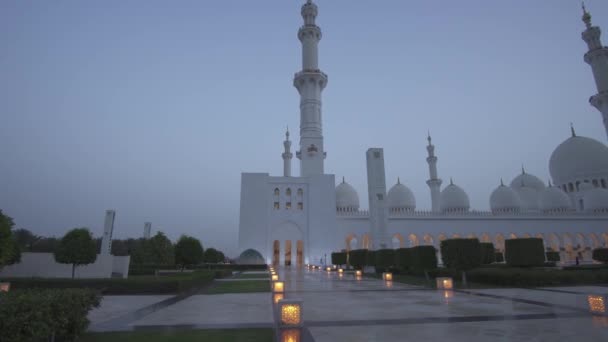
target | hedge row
[
  {"x": 461, "y": 254},
  {"x": 134, "y": 285},
  {"x": 532, "y": 277},
  {"x": 415, "y": 259},
  {"x": 150, "y": 269},
  {"x": 552, "y": 256},
  {"x": 488, "y": 255},
  {"x": 525, "y": 252},
  {"x": 338, "y": 258},
  {"x": 600, "y": 254},
  {"x": 43, "y": 314}
]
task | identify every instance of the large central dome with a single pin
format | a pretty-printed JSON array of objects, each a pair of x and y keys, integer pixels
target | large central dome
[{"x": 578, "y": 158}]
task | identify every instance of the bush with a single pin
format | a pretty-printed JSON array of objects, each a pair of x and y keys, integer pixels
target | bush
[
  {"x": 168, "y": 284},
  {"x": 553, "y": 256},
  {"x": 499, "y": 257},
  {"x": 338, "y": 258},
  {"x": 600, "y": 254},
  {"x": 403, "y": 259},
  {"x": 35, "y": 315},
  {"x": 357, "y": 258},
  {"x": 370, "y": 260},
  {"x": 461, "y": 254},
  {"x": 424, "y": 258},
  {"x": 524, "y": 252},
  {"x": 488, "y": 255},
  {"x": 533, "y": 277},
  {"x": 385, "y": 258}
]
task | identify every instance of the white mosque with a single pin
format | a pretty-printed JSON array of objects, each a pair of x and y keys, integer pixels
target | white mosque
[{"x": 295, "y": 220}]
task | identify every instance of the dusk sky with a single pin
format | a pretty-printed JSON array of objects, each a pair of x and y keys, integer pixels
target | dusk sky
[{"x": 154, "y": 108}]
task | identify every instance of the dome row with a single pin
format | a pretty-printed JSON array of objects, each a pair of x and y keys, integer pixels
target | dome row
[{"x": 527, "y": 193}]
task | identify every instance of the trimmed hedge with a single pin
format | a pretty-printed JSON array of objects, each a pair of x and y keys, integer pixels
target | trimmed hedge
[
  {"x": 553, "y": 256},
  {"x": 461, "y": 254},
  {"x": 424, "y": 258},
  {"x": 174, "y": 283},
  {"x": 499, "y": 257},
  {"x": 403, "y": 259},
  {"x": 149, "y": 269},
  {"x": 488, "y": 255},
  {"x": 371, "y": 258},
  {"x": 338, "y": 258},
  {"x": 385, "y": 259},
  {"x": 600, "y": 254},
  {"x": 38, "y": 314},
  {"x": 525, "y": 252},
  {"x": 357, "y": 258},
  {"x": 532, "y": 277}
]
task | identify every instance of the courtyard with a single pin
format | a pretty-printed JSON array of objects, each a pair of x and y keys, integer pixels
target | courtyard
[{"x": 342, "y": 308}]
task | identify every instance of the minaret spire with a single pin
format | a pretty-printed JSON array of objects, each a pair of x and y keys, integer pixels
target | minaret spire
[
  {"x": 572, "y": 130},
  {"x": 597, "y": 58},
  {"x": 310, "y": 83},
  {"x": 287, "y": 155},
  {"x": 434, "y": 182}
]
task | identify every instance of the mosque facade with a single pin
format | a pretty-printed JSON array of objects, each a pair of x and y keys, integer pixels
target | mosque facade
[{"x": 294, "y": 220}]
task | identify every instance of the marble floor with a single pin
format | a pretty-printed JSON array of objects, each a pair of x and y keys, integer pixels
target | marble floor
[{"x": 342, "y": 308}]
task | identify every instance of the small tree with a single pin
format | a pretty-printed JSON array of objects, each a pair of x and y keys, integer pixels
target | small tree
[
  {"x": 461, "y": 255},
  {"x": 188, "y": 251},
  {"x": 211, "y": 255},
  {"x": 9, "y": 249},
  {"x": 77, "y": 247}
]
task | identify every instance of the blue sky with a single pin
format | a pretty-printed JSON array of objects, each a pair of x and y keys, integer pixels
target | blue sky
[{"x": 154, "y": 108}]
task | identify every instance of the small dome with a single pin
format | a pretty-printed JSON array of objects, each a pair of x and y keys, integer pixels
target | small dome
[
  {"x": 346, "y": 196},
  {"x": 529, "y": 198},
  {"x": 578, "y": 158},
  {"x": 454, "y": 199},
  {"x": 528, "y": 180},
  {"x": 400, "y": 197},
  {"x": 553, "y": 199},
  {"x": 596, "y": 200},
  {"x": 251, "y": 257},
  {"x": 504, "y": 199}
]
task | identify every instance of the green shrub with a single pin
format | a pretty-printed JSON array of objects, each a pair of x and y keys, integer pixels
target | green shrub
[
  {"x": 424, "y": 258},
  {"x": 357, "y": 258},
  {"x": 525, "y": 252},
  {"x": 338, "y": 258},
  {"x": 461, "y": 254},
  {"x": 168, "y": 284},
  {"x": 370, "y": 259},
  {"x": 552, "y": 256},
  {"x": 533, "y": 277},
  {"x": 499, "y": 257},
  {"x": 600, "y": 254},
  {"x": 385, "y": 258},
  {"x": 403, "y": 259},
  {"x": 488, "y": 255},
  {"x": 35, "y": 315}
]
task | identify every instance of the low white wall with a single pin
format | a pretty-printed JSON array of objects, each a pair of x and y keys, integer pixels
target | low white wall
[
  {"x": 120, "y": 265},
  {"x": 44, "y": 265}
]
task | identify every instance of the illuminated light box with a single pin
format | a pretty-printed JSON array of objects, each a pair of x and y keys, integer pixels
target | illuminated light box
[
  {"x": 278, "y": 287},
  {"x": 291, "y": 335},
  {"x": 444, "y": 283},
  {"x": 596, "y": 303},
  {"x": 274, "y": 277},
  {"x": 276, "y": 297},
  {"x": 340, "y": 271},
  {"x": 328, "y": 269},
  {"x": 5, "y": 287},
  {"x": 290, "y": 313},
  {"x": 358, "y": 273},
  {"x": 387, "y": 276}
]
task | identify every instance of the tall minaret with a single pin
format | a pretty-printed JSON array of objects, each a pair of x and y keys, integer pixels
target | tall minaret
[
  {"x": 287, "y": 155},
  {"x": 108, "y": 230},
  {"x": 310, "y": 82},
  {"x": 434, "y": 183},
  {"x": 597, "y": 58}
]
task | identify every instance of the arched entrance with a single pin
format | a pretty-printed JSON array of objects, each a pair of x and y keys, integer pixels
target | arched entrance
[{"x": 287, "y": 245}]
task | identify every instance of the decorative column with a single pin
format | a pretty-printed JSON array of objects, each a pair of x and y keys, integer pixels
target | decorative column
[
  {"x": 597, "y": 58},
  {"x": 378, "y": 204},
  {"x": 310, "y": 83},
  {"x": 434, "y": 182}
]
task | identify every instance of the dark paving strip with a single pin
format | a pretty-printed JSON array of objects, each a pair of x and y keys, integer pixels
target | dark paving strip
[
  {"x": 527, "y": 301},
  {"x": 178, "y": 327},
  {"x": 121, "y": 323},
  {"x": 441, "y": 320},
  {"x": 566, "y": 291}
]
